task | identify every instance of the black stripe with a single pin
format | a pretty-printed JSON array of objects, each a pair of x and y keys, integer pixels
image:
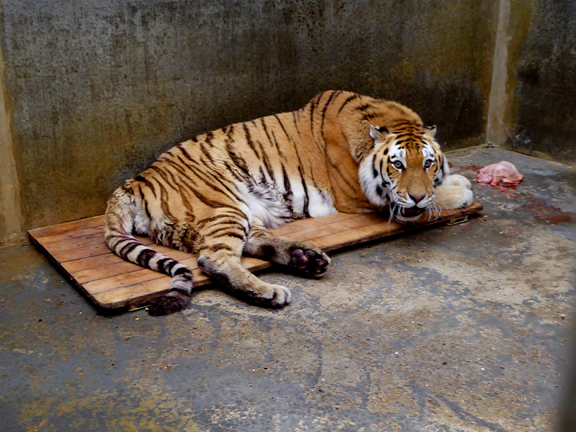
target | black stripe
[
  {"x": 206, "y": 221},
  {"x": 185, "y": 153},
  {"x": 249, "y": 140},
  {"x": 226, "y": 186},
  {"x": 282, "y": 126},
  {"x": 232, "y": 171},
  {"x": 146, "y": 209},
  {"x": 268, "y": 166},
  {"x": 287, "y": 184},
  {"x": 209, "y": 138},
  {"x": 230, "y": 132},
  {"x": 332, "y": 96},
  {"x": 206, "y": 153},
  {"x": 145, "y": 256},
  {"x": 161, "y": 265},
  {"x": 306, "y": 197},
  {"x": 209, "y": 202},
  {"x": 374, "y": 170},
  {"x": 263, "y": 178},
  {"x": 182, "y": 271},
  {"x": 163, "y": 194},
  {"x": 122, "y": 239},
  {"x": 296, "y": 120},
  {"x": 274, "y": 141},
  {"x": 237, "y": 160},
  {"x": 126, "y": 249},
  {"x": 205, "y": 177},
  {"x": 223, "y": 227},
  {"x": 215, "y": 247},
  {"x": 147, "y": 183},
  {"x": 229, "y": 234},
  {"x": 170, "y": 265},
  {"x": 347, "y": 101},
  {"x": 263, "y": 122},
  {"x": 312, "y": 104}
]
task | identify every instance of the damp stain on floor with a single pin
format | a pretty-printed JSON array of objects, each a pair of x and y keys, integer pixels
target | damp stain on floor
[{"x": 464, "y": 328}]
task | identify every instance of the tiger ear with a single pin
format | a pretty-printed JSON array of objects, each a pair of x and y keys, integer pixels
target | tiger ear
[
  {"x": 430, "y": 130},
  {"x": 378, "y": 133}
]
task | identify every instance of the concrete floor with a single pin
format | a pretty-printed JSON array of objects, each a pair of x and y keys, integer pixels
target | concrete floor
[{"x": 463, "y": 328}]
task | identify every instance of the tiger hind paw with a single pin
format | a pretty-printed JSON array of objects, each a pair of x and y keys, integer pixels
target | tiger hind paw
[{"x": 309, "y": 263}]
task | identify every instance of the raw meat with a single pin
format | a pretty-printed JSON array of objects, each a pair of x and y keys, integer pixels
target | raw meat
[{"x": 502, "y": 172}]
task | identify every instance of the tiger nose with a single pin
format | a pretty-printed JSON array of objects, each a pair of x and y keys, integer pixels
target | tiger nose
[{"x": 417, "y": 198}]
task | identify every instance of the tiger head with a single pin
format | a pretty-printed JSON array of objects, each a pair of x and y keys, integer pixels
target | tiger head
[{"x": 401, "y": 170}]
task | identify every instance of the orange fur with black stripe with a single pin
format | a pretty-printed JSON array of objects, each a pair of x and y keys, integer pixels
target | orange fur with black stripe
[{"x": 216, "y": 194}]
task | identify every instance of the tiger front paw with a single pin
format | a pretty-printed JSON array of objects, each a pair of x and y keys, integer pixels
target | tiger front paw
[
  {"x": 309, "y": 263},
  {"x": 452, "y": 197},
  {"x": 270, "y": 295},
  {"x": 457, "y": 180}
]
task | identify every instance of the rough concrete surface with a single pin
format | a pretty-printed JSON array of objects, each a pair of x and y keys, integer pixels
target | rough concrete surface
[
  {"x": 462, "y": 328},
  {"x": 97, "y": 90},
  {"x": 543, "y": 70}
]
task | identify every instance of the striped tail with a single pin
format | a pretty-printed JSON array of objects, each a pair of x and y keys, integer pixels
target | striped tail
[{"x": 118, "y": 228}]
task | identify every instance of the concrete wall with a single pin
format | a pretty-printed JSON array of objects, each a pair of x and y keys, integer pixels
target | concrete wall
[
  {"x": 544, "y": 104},
  {"x": 96, "y": 90},
  {"x": 92, "y": 92},
  {"x": 532, "y": 104}
]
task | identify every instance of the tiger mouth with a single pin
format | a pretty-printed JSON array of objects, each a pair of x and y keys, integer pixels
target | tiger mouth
[{"x": 411, "y": 211}]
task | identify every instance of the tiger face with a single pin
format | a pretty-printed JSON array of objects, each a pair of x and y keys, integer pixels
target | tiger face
[{"x": 402, "y": 170}]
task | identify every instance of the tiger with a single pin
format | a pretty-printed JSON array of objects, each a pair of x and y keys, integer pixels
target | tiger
[{"x": 216, "y": 195}]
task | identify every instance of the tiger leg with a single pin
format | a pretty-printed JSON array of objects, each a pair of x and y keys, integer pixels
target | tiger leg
[
  {"x": 453, "y": 193},
  {"x": 306, "y": 259},
  {"x": 219, "y": 257}
]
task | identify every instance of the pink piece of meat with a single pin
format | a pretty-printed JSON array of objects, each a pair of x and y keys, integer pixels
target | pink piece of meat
[{"x": 500, "y": 173}]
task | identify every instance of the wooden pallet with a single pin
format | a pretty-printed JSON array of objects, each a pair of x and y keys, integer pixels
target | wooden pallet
[{"x": 78, "y": 250}]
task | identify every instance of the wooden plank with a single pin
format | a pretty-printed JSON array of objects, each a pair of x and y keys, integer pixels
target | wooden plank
[
  {"x": 140, "y": 292},
  {"x": 111, "y": 258},
  {"x": 95, "y": 221},
  {"x": 71, "y": 235},
  {"x": 75, "y": 243},
  {"x": 147, "y": 290},
  {"x": 81, "y": 252},
  {"x": 123, "y": 280},
  {"x": 332, "y": 228},
  {"x": 145, "y": 275},
  {"x": 78, "y": 248},
  {"x": 305, "y": 224}
]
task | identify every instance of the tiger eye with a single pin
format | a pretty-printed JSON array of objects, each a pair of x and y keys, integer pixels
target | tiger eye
[{"x": 398, "y": 165}]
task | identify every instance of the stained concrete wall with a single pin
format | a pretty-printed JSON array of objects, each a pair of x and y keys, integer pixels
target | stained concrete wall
[
  {"x": 544, "y": 100},
  {"x": 532, "y": 105},
  {"x": 97, "y": 90}
]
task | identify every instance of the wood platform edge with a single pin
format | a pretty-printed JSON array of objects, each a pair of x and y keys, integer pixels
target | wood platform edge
[
  {"x": 140, "y": 300},
  {"x": 61, "y": 268}
]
